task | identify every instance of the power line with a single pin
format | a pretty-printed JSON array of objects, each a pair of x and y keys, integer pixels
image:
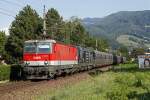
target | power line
[
  {"x": 7, "y": 14},
  {"x": 19, "y": 2},
  {"x": 5, "y": 10},
  {"x": 13, "y": 3}
]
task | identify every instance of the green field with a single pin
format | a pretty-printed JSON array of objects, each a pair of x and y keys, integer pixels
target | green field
[
  {"x": 124, "y": 39},
  {"x": 124, "y": 82}
]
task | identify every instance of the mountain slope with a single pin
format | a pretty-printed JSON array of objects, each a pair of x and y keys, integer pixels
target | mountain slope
[{"x": 134, "y": 23}]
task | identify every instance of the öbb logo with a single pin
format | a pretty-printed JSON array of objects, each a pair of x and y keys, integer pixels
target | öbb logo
[{"x": 37, "y": 57}]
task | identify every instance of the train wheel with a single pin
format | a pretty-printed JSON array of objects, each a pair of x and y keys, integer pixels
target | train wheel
[
  {"x": 146, "y": 63},
  {"x": 51, "y": 76}
]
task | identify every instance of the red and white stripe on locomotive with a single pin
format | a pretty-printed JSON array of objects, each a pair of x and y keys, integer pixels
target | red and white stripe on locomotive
[{"x": 49, "y": 52}]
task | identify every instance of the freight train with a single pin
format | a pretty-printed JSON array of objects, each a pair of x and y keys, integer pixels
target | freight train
[{"x": 45, "y": 59}]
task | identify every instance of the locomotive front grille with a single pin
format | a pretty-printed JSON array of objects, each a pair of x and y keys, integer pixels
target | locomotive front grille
[
  {"x": 36, "y": 70},
  {"x": 35, "y": 63}
]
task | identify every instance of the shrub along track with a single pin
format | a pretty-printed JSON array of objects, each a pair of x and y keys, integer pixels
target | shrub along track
[{"x": 28, "y": 90}]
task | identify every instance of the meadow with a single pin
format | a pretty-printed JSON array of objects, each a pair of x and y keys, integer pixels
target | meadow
[{"x": 123, "y": 82}]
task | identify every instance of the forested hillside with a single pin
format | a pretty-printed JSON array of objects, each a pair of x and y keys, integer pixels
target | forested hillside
[{"x": 135, "y": 23}]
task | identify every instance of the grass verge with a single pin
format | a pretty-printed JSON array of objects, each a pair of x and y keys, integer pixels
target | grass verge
[{"x": 124, "y": 82}]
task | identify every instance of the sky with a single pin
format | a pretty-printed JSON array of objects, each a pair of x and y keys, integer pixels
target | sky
[{"x": 69, "y": 8}]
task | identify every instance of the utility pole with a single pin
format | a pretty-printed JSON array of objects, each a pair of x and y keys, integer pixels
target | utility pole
[
  {"x": 96, "y": 44},
  {"x": 44, "y": 22}
]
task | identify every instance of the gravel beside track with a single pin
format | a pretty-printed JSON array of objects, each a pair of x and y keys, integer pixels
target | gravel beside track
[
  {"x": 14, "y": 86},
  {"x": 27, "y": 90}
]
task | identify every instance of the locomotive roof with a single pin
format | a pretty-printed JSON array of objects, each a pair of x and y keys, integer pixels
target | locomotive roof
[
  {"x": 48, "y": 40},
  {"x": 52, "y": 41}
]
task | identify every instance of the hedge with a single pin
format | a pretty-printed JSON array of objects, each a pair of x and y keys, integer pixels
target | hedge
[
  {"x": 4, "y": 72},
  {"x": 10, "y": 72}
]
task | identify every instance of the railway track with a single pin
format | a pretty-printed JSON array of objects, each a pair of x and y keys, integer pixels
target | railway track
[
  {"x": 32, "y": 87},
  {"x": 26, "y": 90}
]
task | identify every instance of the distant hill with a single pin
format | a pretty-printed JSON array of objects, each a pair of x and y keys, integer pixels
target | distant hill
[{"x": 133, "y": 23}]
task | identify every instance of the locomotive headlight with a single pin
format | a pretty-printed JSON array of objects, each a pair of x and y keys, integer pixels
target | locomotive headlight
[
  {"x": 46, "y": 62},
  {"x": 26, "y": 63}
]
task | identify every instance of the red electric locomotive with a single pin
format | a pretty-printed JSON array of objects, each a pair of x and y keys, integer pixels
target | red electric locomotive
[{"x": 44, "y": 58}]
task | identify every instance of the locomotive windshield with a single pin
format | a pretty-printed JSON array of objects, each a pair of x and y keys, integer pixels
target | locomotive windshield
[
  {"x": 30, "y": 47},
  {"x": 43, "y": 48},
  {"x": 37, "y": 47}
]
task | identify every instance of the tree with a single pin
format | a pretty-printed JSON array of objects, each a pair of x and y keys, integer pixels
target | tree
[
  {"x": 137, "y": 51},
  {"x": 123, "y": 51},
  {"x": 76, "y": 32},
  {"x": 102, "y": 45},
  {"x": 2, "y": 43},
  {"x": 55, "y": 25},
  {"x": 27, "y": 25}
]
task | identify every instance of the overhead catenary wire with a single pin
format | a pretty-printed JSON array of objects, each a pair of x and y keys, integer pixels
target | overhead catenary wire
[
  {"x": 7, "y": 14},
  {"x": 6, "y": 10},
  {"x": 13, "y": 3},
  {"x": 20, "y": 1}
]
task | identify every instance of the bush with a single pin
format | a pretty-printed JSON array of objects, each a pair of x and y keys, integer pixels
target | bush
[
  {"x": 12, "y": 73},
  {"x": 132, "y": 94},
  {"x": 117, "y": 92},
  {"x": 4, "y": 72},
  {"x": 116, "y": 95}
]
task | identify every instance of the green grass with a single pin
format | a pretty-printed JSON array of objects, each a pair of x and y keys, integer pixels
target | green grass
[{"x": 124, "y": 82}]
